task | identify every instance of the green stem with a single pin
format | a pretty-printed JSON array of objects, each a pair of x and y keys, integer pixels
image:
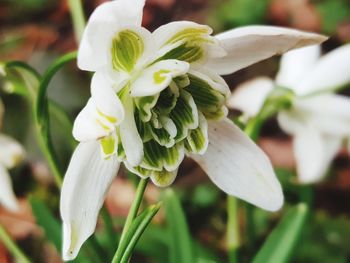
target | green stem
[
  {"x": 134, "y": 206},
  {"x": 42, "y": 116},
  {"x": 12, "y": 246},
  {"x": 77, "y": 14},
  {"x": 232, "y": 229}
]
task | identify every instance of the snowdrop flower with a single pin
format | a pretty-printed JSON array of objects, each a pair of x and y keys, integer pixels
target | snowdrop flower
[
  {"x": 11, "y": 153},
  {"x": 157, "y": 97},
  {"x": 318, "y": 120}
]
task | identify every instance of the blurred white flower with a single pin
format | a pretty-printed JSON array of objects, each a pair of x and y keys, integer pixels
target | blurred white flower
[
  {"x": 318, "y": 120},
  {"x": 11, "y": 153},
  {"x": 158, "y": 96}
]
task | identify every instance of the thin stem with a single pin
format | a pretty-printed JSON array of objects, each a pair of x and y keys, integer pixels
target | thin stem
[
  {"x": 134, "y": 206},
  {"x": 12, "y": 246},
  {"x": 232, "y": 229},
  {"x": 77, "y": 14}
]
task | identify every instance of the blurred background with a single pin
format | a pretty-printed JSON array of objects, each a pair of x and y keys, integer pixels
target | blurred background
[{"x": 38, "y": 31}]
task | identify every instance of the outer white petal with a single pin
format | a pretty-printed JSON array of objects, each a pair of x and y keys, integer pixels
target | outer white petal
[
  {"x": 157, "y": 77},
  {"x": 11, "y": 152},
  {"x": 314, "y": 153},
  {"x": 250, "y": 96},
  {"x": 86, "y": 126},
  {"x": 248, "y": 45},
  {"x": 296, "y": 64},
  {"x": 331, "y": 71},
  {"x": 7, "y": 197},
  {"x": 85, "y": 186},
  {"x": 106, "y": 99},
  {"x": 129, "y": 135},
  {"x": 292, "y": 121},
  {"x": 330, "y": 113},
  {"x": 239, "y": 167},
  {"x": 103, "y": 23}
]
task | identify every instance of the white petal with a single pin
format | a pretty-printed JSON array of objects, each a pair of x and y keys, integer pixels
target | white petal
[
  {"x": 314, "y": 153},
  {"x": 11, "y": 152},
  {"x": 296, "y": 64},
  {"x": 102, "y": 25},
  {"x": 87, "y": 126},
  {"x": 248, "y": 45},
  {"x": 239, "y": 167},
  {"x": 129, "y": 135},
  {"x": 85, "y": 186},
  {"x": 250, "y": 96},
  {"x": 7, "y": 197},
  {"x": 330, "y": 113},
  {"x": 331, "y": 71},
  {"x": 106, "y": 99},
  {"x": 157, "y": 77},
  {"x": 291, "y": 121}
]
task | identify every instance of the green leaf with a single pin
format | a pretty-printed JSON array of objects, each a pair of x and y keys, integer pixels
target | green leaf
[
  {"x": 47, "y": 221},
  {"x": 180, "y": 247},
  {"x": 280, "y": 244},
  {"x": 133, "y": 234}
]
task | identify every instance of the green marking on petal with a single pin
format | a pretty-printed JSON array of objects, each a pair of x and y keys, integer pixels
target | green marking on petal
[
  {"x": 159, "y": 77},
  {"x": 165, "y": 135},
  {"x": 167, "y": 100},
  {"x": 160, "y": 178},
  {"x": 127, "y": 48},
  {"x": 108, "y": 145},
  {"x": 209, "y": 100},
  {"x": 157, "y": 157},
  {"x": 108, "y": 118},
  {"x": 192, "y": 34},
  {"x": 184, "y": 115},
  {"x": 145, "y": 105},
  {"x": 197, "y": 140},
  {"x": 184, "y": 52},
  {"x": 163, "y": 178},
  {"x": 182, "y": 81}
]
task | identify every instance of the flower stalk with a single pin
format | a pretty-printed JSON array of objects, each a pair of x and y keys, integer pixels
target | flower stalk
[
  {"x": 78, "y": 18},
  {"x": 135, "y": 206},
  {"x": 232, "y": 229},
  {"x": 12, "y": 246}
]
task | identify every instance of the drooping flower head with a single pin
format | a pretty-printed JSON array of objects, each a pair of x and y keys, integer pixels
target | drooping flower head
[
  {"x": 11, "y": 153},
  {"x": 318, "y": 120},
  {"x": 156, "y": 97}
]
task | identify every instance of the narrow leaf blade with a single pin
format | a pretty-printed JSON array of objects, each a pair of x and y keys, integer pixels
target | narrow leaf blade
[
  {"x": 280, "y": 244},
  {"x": 180, "y": 247}
]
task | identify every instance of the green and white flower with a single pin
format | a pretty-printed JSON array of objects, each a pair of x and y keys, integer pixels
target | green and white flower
[
  {"x": 318, "y": 120},
  {"x": 157, "y": 97},
  {"x": 11, "y": 153}
]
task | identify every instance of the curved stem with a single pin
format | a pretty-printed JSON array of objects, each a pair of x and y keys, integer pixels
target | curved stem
[
  {"x": 42, "y": 115},
  {"x": 134, "y": 206},
  {"x": 12, "y": 246}
]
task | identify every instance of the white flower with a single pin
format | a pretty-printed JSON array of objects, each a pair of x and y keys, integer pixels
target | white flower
[
  {"x": 11, "y": 153},
  {"x": 318, "y": 120},
  {"x": 158, "y": 96}
]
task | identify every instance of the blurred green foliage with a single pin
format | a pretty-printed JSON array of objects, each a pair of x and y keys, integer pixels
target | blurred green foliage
[
  {"x": 233, "y": 13},
  {"x": 333, "y": 12}
]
